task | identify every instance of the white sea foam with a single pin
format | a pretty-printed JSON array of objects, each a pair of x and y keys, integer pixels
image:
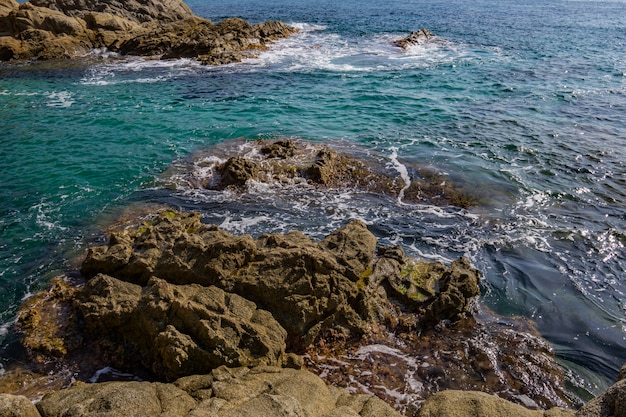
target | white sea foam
[
  {"x": 315, "y": 48},
  {"x": 113, "y": 372},
  {"x": 402, "y": 170},
  {"x": 130, "y": 70},
  {"x": 61, "y": 99}
]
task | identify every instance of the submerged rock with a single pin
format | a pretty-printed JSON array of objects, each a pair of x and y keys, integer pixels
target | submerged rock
[{"x": 53, "y": 29}]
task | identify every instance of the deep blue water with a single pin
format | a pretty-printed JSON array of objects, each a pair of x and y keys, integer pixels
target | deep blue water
[{"x": 522, "y": 102}]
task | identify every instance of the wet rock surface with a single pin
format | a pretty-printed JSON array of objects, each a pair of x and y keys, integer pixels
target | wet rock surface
[
  {"x": 53, "y": 29},
  {"x": 405, "y": 367},
  {"x": 294, "y": 162},
  {"x": 414, "y": 38}
]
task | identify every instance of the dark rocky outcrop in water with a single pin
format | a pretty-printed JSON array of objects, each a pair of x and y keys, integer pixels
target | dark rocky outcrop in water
[
  {"x": 299, "y": 162},
  {"x": 53, "y": 29},
  {"x": 417, "y": 37},
  {"x": 182, "y": 299}
]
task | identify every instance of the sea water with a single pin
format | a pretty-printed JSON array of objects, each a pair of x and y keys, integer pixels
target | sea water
[{"x": 523, "y": 103}]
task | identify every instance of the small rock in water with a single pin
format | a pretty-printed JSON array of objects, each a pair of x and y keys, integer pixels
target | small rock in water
[{"x": 414, "y": 38}]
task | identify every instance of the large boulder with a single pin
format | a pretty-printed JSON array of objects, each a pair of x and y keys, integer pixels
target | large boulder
[
  {"x": 453, "y": 403},
  {"x": 17, "y": 406},
  {"x": 256, "y": 392},
  {"x": 180, "y": 330}
]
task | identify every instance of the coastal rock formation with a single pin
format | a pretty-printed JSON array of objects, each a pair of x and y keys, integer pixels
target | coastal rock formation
[
  {"x": 179, "y": 330},
  {"x": 169, "y": 296},
  {"x": 17, "y": 406},
  {"x": 269, "y": 391},
  {"x": 414, "y": 38},
  {"x": 309, "y": 287},
  {"x": 52, "y": 29},
  {"x": 138, "y": 11},
  {"x": 262, "y": 391},
  {"x": 298, "y": 162}
]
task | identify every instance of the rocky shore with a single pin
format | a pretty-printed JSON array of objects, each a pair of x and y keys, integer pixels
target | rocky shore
[
  {"x": 60, "y": 29},
  {"x": 173, "y": 316},
  {"x": 186, "y": 319},
  {"x": 217, "y": 325}
]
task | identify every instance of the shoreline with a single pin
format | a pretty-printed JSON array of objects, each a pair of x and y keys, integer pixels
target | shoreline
[
  {"x": 48, "y": 322},
  {"x": 317, "y": 177}
]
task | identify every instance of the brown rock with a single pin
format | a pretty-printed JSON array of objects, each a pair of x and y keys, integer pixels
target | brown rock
[
  {"x": 117, "y": 399},
  {"x": 280, "y": 149},
  {"x": 479, "y": 404},
  {"x": 226, "y": 392},
  {"x": 180, "y": 330},
  {"x": 7, "y": 6},
  {"x": 17, "y": 406},
  {"x": 235, "y": 172},
  {"x": 331, "y": 284},
  {"x": 140, "y": 11},
  {"x": 458, "y": 286},
  {"x": 48, "y": 324},
  {"x": 52, "y": 29}
]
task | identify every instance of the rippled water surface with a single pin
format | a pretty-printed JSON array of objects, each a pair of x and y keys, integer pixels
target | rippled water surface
[{"x": 524, "y": 104}]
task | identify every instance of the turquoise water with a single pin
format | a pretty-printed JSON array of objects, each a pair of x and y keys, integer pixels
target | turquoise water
[{"x": 522, "y": 103}]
